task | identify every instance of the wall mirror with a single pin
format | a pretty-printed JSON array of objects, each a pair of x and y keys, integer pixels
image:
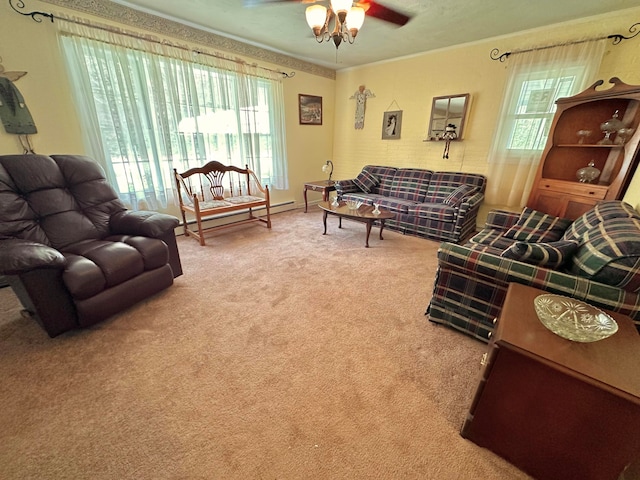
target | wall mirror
[{"x": 445, "y": 111}]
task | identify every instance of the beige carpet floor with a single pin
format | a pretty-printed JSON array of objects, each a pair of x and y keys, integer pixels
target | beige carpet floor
[{"x": 281, "y": 354}]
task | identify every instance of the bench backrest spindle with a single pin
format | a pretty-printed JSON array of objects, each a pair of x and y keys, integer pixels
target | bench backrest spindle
[{"x": 215, "y": 184}]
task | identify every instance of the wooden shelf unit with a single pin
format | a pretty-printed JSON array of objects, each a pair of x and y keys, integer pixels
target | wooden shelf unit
[{"x": 556, "y": 189}]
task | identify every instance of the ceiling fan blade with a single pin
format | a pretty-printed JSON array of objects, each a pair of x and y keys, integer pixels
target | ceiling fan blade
[
  {"x": 374, "y": 9},
  {"x": 254, "y": 3}
]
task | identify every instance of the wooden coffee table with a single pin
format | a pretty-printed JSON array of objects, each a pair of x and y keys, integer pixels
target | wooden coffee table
[{"x": 363, "y": 214}]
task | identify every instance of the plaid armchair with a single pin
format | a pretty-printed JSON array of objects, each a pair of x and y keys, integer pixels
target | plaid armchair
[{"x": 595, "y": 259}]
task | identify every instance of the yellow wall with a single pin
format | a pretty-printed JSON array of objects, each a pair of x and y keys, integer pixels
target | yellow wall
[
  {"x": 409, "y": 84},
  {"x": 32, "y": 47}
]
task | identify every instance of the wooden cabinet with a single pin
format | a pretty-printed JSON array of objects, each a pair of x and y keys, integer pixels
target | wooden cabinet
[
  {"x": 557, "y": 409},
  {"x": 556, "y": 189}
]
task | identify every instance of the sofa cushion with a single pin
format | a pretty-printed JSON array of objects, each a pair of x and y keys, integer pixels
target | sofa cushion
[
  {"x": 95, "y": 265},
  {"x": 385, "y": 175},
  {"x": 610, "y": 253},
  {"x": 395, "y": 205},
  {"x": 534, "y": 226},
  {"x": 410, "y": 184},
  {"x": 443, "y": 184},
  {"x": 433, "y": 211},
  {"x": 549, "y": 255},
  {"x": 366, "y": 180},
  {"x": 492, "y": 238},
  {"x": 455, "y": 198},
  {"x": 602, "y": 211}
]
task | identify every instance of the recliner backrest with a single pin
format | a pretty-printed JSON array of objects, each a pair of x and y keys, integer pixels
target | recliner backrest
[{"x": 57, "y": 201}]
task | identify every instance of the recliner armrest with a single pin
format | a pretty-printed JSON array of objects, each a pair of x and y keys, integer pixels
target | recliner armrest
[
  {"x": 147, "y": 224},
  {"x": 20, "y": 256}
]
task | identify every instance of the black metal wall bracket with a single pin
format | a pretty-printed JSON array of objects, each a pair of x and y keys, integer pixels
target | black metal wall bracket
[
  {"x": 35, "y": 16},
  {"x": 617, "y": 38}
]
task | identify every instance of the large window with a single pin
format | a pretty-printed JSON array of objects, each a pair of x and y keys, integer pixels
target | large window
[
  {"x": 536, "y": 78},
  {"x": 153, "y": 111},
  {"x": 533, "y": 110}
]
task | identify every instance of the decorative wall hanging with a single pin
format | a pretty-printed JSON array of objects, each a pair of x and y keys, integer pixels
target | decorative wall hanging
[
  {"x": 14, "y": 113},
  {"x": 391, "y": 125},
  {"x": 361, "y": 96},
  {"x": 310, "y": 109}
]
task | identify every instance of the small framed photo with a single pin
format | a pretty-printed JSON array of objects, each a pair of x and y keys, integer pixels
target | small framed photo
[
  {"x": 310, "y": 109},
  {"x": 391, "y": 125}
]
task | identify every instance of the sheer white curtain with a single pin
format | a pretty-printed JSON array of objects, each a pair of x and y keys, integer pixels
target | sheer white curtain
[
  {"x": 536, "y": 80},
  {"x": 147, "y": 108}
]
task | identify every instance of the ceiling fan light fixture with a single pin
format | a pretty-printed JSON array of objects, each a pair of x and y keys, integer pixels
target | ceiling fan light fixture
[
  {"x": 343, "y": 19},
  {"x": 341, "y": 6},
  {"x": 316, "y": 16},
  {"x": 355, "y": 19}
]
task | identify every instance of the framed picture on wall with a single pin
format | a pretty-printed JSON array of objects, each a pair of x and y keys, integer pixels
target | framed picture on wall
[
  {"x": 310, "y": 109},
  {"x": 391, "y": 125}
]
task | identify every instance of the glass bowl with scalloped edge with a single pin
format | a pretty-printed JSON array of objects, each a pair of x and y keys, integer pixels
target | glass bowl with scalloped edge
[
  {"x": 354, "y": 204},
  {"x": 572, "y": 319}
]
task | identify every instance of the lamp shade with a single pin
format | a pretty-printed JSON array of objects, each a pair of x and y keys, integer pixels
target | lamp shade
[
  {"x": 355, "y": 18},
  {"x": 316, "y": 15},
  {"x": 341, "y": 5}
]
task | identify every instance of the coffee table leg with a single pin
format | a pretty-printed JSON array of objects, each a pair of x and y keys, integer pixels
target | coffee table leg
[
  {"x": 324, "y": 221},
  {"x": 368, "y": 232},
  {"x": 381, "y": 228},
  {"x": 304, "y": 192}
]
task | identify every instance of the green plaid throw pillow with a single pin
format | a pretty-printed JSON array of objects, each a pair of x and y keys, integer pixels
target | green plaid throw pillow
[
  {"x": 534, "y": 226},
  {"x": 456, "y": 197},
  {"x": 366, "y": 181},
  {"x": 549, "y": 255}
]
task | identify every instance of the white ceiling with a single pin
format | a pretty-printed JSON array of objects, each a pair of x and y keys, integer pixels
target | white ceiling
[{"x": 435, "y": 24}]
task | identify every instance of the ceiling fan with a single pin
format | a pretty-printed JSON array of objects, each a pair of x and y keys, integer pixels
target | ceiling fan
[
  {"x": 347, "y": 17},
  {"x": 371, "y": 8}
]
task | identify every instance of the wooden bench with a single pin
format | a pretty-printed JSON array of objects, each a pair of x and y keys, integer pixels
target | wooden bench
[{"x": 205, "y": 193}]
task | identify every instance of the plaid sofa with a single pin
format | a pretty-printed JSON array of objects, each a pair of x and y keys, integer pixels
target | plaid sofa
[
  {"x": 436, "y": 205},
  {"x": 595, "y": 258}
]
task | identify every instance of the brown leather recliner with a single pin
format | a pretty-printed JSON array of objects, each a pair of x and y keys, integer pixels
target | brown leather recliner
[{"x": 71, "y": 251}]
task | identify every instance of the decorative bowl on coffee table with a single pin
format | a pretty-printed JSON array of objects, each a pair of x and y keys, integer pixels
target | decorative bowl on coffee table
[{"x": 354, "y": 204}]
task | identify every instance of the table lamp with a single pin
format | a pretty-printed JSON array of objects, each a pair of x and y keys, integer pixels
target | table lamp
[{"x": 328, "y": 167}]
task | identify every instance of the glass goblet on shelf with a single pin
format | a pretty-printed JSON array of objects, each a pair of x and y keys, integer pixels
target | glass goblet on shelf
[
  {"x": 623, "y": 135},
  {"x": 582, "y": 135},
  {"x": 588, "y": 174},
  {"x": 610, "y": 127}
]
